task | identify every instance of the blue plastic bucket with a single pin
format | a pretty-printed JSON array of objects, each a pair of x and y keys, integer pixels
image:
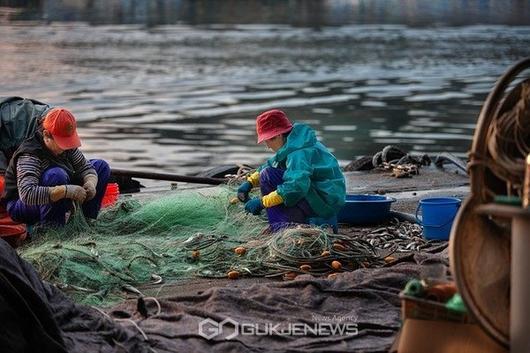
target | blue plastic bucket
[{"x": 437, "y": 217}]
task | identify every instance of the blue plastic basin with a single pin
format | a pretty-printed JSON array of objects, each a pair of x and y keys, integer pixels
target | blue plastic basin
[{"x": 365, "y": 209}]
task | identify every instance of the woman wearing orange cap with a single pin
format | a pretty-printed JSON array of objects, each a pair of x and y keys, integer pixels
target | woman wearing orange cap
[
  {"x": 302, "y": 180},
  {"x": 48, "y": 171}
]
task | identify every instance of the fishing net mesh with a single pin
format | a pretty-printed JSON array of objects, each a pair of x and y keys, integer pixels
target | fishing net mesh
[{"x": 181, "y": 234}]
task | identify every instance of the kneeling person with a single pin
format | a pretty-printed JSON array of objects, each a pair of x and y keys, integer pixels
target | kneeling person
[
  {"x": 301, "y": 181},
  {"x": 48, "y": 172}
]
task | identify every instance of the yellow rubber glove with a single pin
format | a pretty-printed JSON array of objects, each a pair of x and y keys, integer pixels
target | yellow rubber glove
[
  {"x": 272, "y": 199},
  {"x": 253, "y": 179}
]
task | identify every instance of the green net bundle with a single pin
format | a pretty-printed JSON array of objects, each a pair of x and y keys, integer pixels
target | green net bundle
[
  {"x": 182, "y": 234},
  {"x": 302, "y": 249}
]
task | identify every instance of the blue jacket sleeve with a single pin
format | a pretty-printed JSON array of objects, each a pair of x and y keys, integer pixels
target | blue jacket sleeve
[{"x": 297, "y": 177}]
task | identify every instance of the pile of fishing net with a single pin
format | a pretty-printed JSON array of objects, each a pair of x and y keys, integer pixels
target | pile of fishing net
[{"x": 181, "y": 234}]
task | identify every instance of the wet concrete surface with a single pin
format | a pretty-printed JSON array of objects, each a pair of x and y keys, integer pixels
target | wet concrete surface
[
  {"x": 431, "y": 182},
  {"x": 429, "y": 178}
]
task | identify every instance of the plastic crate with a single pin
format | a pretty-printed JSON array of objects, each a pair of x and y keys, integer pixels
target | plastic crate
[{"x": 423, "y": 309}]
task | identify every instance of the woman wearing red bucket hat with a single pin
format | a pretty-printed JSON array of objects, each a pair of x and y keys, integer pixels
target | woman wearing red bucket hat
[
  {"x": 301, "y": 181},
  {"x": 48, "y": 172}
]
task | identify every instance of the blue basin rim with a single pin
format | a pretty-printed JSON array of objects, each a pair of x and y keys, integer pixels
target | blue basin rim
[{"x": 363, "y": 198}]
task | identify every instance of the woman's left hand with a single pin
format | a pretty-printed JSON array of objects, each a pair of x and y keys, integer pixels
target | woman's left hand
[{"x": 90, "y": 189}]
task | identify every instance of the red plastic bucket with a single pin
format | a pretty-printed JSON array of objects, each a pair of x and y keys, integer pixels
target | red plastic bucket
[{"x": 112, "y": 192}]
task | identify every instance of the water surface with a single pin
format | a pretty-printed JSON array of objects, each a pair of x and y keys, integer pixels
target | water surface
[{"x": 182, "y": 97}]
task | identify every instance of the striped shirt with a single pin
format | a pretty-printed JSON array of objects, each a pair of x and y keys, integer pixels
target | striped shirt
[{"x": 29, "y": 171}]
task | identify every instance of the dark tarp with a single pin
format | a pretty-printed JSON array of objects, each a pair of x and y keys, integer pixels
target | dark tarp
[
  {"x": 36, "y": 317},
  {"x": 366, "y": 297},
  {"x": 19, "y": 118}
]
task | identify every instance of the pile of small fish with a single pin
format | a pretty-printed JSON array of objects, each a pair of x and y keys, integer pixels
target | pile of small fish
[{"x": 396, "y": 237}]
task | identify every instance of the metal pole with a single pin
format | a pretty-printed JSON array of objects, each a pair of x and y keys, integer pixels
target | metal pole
[
  {"x": 166, "y": 176},
  {"x": 520, "y": 286}
]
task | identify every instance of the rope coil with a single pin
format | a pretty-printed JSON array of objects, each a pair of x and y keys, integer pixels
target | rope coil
[{"x": 507, "y": 142}]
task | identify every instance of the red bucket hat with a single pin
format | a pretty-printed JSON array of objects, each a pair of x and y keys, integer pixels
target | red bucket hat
[
  {"x": 272, "y": 123},
  {"x": 62, "y": 126}
]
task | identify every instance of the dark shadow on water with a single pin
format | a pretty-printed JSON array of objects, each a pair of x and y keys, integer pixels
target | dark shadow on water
[{"x": 305, "y": 13}]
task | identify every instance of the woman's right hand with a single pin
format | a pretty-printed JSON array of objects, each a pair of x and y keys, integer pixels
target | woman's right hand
[{"x": 70, "y": 191}]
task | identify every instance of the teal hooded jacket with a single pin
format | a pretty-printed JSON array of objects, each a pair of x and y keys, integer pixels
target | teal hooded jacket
[{"x": 311, "y": 172}]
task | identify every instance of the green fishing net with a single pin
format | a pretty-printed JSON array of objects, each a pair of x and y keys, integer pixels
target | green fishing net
[{"x": 178, "y": 235}]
